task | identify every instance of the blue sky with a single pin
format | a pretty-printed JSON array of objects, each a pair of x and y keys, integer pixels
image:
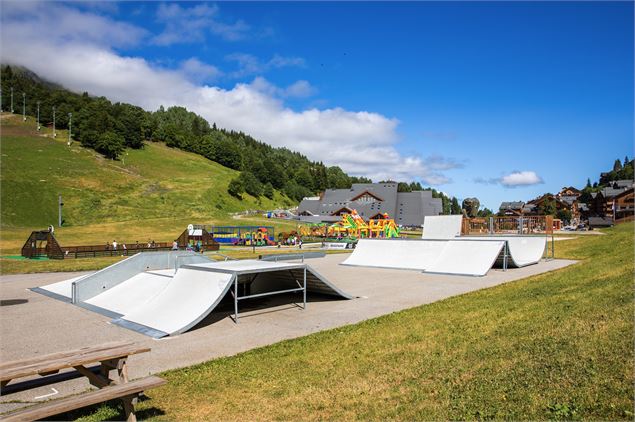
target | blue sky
[{"x": 498, "y": 100}]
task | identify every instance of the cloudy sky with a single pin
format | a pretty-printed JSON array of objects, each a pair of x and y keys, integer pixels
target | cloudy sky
[{"x": 502, "y": 101}]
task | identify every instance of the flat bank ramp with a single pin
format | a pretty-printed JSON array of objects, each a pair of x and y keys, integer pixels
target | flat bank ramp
[
  {"x": 442, "y": 226},
  {"x": 473, "y": 258},
  {"x": 268, "y": 275},
  {"x": 188, "y": 298},
  {"x": 396, "y": 253},
  {"x": 522, "y": 250}
]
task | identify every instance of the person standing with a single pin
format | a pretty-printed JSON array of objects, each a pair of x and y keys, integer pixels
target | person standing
[
  {"x": 175, "y": 246},
  {"x": 114, "y": 245}
]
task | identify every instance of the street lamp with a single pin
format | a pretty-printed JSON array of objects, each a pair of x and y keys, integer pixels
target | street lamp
[
  {"x": 11, "y": 99},
  {"x": 23, "y": 107},
  {"x": 38, "y": 116},
  {"x": 70, "y": 121},
  {"x": 54, "y": 133}
]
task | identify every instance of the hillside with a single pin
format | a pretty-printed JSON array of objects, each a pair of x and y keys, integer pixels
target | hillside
[{"x": 149, "y": 183}]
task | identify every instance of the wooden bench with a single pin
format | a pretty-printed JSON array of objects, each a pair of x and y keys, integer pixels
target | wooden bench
[
  {"x": 127, "y": 392},
  {"x": 110, "y": 356}
]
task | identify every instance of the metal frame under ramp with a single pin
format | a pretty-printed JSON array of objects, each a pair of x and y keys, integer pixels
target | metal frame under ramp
[{"x": 288, "y": 277}]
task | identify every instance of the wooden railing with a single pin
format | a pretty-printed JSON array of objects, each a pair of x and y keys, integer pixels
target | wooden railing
[{"x": 505, "y": 224}]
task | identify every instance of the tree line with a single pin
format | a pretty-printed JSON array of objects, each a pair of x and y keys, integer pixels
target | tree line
[{"x": 109, "y": 128}]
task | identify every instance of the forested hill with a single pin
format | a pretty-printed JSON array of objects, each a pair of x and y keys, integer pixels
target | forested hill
[{"x": 110, "y": 128}]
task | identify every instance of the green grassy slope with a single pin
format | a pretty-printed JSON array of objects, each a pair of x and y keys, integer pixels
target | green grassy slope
[
  {"x": 554, "y": 346},
  {"x": 154, "y": 182}
]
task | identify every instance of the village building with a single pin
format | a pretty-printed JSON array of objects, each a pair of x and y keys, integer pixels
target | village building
[{"x": 371, "y": 201}]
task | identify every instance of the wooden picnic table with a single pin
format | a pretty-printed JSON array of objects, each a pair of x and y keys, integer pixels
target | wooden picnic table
[{"x": 109, "y": 356}]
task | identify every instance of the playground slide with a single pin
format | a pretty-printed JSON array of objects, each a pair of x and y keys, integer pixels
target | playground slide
[
  {"x": 188, "y": 298},
  {"x": 523, "y": 250},
  {"x": 442, "y": 226},
  {"x": 467, "y": 257},
  {"x": 396, "y": 253}
]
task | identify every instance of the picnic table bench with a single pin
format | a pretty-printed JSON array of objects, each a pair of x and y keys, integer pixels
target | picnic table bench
[{"x": 109, "y": 356}]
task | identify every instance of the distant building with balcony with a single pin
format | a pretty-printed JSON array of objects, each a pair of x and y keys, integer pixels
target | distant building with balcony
[{"x": 371, "y": 201}]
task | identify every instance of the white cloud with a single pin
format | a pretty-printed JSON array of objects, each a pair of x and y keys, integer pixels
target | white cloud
[
  {"x": 190, "y": 24},
  {"x": 361, "y": 142},
  {"x": 521, "y": 178},
  {"x": 198, "y": 71},
  {"x": 249, "y": 64},
  {"x": 513, "y": 179},
  {"x": 298, "y": 89}
]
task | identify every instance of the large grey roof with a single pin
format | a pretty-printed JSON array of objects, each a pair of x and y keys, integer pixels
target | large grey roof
[
  {"x": 626, "y": 183},
  {"x": 611, "y": 192},
  {"x": 407, "y": 208},
  {"x": 512, "y": 205}
]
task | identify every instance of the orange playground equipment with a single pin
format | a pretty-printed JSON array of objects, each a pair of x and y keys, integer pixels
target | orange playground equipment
[{"x": 353, "y": 225}]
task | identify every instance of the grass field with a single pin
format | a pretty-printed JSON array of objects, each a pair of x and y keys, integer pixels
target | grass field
[
  {"x": 153, "y": 193},
  {"x": 554, "y": 346}
]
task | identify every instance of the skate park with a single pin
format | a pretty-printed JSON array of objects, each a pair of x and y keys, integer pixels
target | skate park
[{"x": 58, "y": 325}]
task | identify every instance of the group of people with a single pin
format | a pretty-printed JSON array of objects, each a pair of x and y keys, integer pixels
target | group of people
[
  {"x": 114, "y": 245},
  {"x": 292, "y": 241},
  {"x": 191, "y": 246}
]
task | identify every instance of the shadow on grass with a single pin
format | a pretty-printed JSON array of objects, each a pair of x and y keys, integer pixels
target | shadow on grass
[{"x": 109, "y": 411}]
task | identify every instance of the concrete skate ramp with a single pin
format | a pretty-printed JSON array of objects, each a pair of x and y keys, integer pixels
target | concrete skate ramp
[
  {"x": 188, "y": 298},
  {"x": 400, "y": 254},
  {"x": 467, "y": 257},
  {"x": 441, "y": 226},
  {"x": 522, "y": 250}
]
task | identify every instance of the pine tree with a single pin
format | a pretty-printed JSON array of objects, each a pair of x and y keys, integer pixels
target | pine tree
[
  {"x": 617, "y": 166},
  {"x": 588, "y": 183}
]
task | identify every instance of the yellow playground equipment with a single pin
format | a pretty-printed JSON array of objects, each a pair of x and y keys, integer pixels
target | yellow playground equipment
[{"x": 353, "y": 225}]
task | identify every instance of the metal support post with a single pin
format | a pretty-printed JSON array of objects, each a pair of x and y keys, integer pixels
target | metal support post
[
  {"x": 304, "y": 293},
  {"x": 505, "y": 256},
  {"x": 236, "y": 299}
]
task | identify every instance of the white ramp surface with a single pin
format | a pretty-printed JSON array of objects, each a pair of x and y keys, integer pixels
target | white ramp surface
[
  {"x": 133, "y": 293},
  {"x": 523, "y": 250},
  {"x": 395, "y": 253},
  {"x": 183, "y": 303},
  {"x": 442, "y": 226},
  {"x": 62, "y": 290},
  {"x": 464, "y": 257}
]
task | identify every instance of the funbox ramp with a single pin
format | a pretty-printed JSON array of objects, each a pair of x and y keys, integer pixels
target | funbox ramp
[
  {"x": 441, "y": 226},
  {"x": 264, "y": 276},
  {"x": 399, "y": 254},
  {"x": 443, "y": 256},
  {"x": 164, "y": 302},
  {"x": 522, "y": 250},
  {"x": 466, "y": 257}
]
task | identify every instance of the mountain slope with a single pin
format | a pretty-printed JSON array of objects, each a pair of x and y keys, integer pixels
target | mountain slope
[{"x": 156, "y": 181}]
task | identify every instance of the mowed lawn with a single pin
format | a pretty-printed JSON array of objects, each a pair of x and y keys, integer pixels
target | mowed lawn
[{"x": 553, "y": 346}]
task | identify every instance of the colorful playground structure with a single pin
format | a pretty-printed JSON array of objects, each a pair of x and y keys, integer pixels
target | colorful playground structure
[
  {"x": 242, "y": 235},
  {"x": 353, "y": 226}
]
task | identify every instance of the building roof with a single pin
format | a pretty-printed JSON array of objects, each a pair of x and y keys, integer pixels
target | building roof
[
  {"x": 512, "y": 205},
  {"x": 371, "y": 199},
  {"x": 611, "y": 192},
  {"x": 624, "y": 183}
]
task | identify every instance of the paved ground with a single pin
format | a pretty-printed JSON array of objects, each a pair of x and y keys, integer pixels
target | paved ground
[{"x": 32, "y": 324}]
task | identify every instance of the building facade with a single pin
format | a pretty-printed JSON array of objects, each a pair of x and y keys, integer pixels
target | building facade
[{"x": 372, "y": 201}]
